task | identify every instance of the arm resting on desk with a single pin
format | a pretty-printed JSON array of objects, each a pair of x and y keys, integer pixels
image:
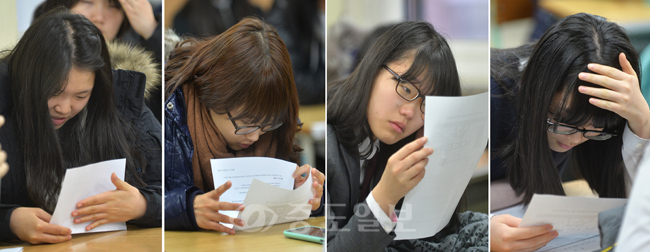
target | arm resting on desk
[{"x": 179, "y": 208}]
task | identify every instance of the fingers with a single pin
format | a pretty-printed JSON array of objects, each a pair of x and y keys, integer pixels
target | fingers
[
  {"x": 625, "y": 65},
  {"x": 603, "y": 93},
  {"x": 97, "y": 223},
  {"x": 509, "y": 220},
  {"x": 536, "y": 242},
  {"x": 91, "y": 217},
  {"x": 219, "y": 205},
  {"x": 50, "y": 238},
  {"x": 53, "y": 229},
  {"x": 120, "y": 184},
  {"x": 318, "y": 176},
  {"x": 606, "y": 71},
  {"x": 4, "y": 168},
  {"x": 214, "y": 216},
  {"x": 2, "y": 120},
  {"x": 319, "y": 192},
  {"x": 94, "y": 200},
  {"x": 532, "y": 231},
  {"x": 405, "y": 151},
  {"x": 88, "y": 210},
  {"x": 416, "y": 169},
  {"x": 218, "y": 227},
  {"x": 41, "y": 214},
  {"x": 607, "y": 105},
  {"x": 601, "y": 80},
  {"x": 301, "y": 172},
  {"x": 417, "y": 156},
  {"x": 216, "y": 193}
]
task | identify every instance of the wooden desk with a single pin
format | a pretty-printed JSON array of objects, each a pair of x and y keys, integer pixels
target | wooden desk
[
  {"x": 134, "y": 239},
  {"x": 621, "y": 12},
  {"x": 272, "y": 239}
]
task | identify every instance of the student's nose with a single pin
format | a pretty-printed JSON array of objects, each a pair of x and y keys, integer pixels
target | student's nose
[
  {"x": 96, "y": 14},
  {"x": 62, "y": 106},
  {"x": 253, "y": 136},
  {"x": 409, "y": 109},
  {"x": 576, "y": 138}
]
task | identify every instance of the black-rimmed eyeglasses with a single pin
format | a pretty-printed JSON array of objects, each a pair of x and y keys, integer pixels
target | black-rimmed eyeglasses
[
  {"x": 243, "y": 130},
  {"x": 406, "y": 89},
  {"x": 563, "y": 129}
]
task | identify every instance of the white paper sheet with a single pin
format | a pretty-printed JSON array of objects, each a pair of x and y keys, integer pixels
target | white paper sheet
[
  {"x": 568, "y": 215},
  {"x": 83, "y": 182},
  {"x": 242, "y": 171},
  {"x": 269, "y": 205},
  {"x": 564, "y": 243},
  {"x": 17, "y": 249},
  {"x": 457, "y": 128}
]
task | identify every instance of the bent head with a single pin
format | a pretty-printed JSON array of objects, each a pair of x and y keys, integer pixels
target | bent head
[
  {"x": 549, "y": 89},
  {"x": 408, "y": 62},
  {"x": 245, "y": 71},
  {"x": 59, "y": 67}
]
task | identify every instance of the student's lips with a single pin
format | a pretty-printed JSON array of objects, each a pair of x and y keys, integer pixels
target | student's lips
[
  {"x": 58, "y": 120},
  {"x": 244, "y": 146},
  {"x": 398, "y": 126},
  {"x": 564, "y": 146}
]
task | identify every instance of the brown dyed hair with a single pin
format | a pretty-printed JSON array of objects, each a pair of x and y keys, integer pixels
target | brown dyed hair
[{"x": 248, "y": 67}]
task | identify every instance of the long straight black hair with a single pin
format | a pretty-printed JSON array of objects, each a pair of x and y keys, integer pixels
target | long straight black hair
[
  {"x": 553, "y": 67},
  {"x": 347, "y": 100},
  {"x": 38, "y": 68}
]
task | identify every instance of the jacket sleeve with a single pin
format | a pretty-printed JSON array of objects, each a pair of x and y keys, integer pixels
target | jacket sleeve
[
  {"x": 179, "y": 210},
  {"x": 149, "y": 134},
  {"x": 349, "y": 228},
  {"x": 632, "y": 153},
  {"x": 179, "y": 182},
  {"x": 5, "y": 217},
  {"x": 360, "y": 232}
]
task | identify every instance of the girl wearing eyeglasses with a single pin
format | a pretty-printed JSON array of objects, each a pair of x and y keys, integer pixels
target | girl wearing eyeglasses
[
  {"x": 573, "y": 95},
  {"x": 231, "y": 95},
  {"x": 374, "y": 143}
]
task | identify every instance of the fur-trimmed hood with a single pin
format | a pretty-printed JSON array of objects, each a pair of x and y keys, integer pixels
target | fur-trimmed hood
[
  {"x": 135, "y": 58},
  {"x": 171, "y": 41}
]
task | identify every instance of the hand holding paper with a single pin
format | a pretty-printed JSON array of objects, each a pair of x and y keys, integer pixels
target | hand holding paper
[
  {"x": 457, "y": 129},
  {"x": 505, "y": 235},
  {"x": 568, "y": 215},
  {"x": 120, "y": 205},
  {"x": 207, "y": 207},
  {"x": 262, "y": 185},
  {"x": 84, "y": 182},
  {"x": 301, "y": 174},
  {"x": 30, "y": 224},
  {"x": 404, "y": 170}
]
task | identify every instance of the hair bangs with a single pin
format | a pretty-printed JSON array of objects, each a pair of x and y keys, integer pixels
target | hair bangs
[
  {"x": 575, "y": 109},
  {"x": 269, "y": 101},
  {"x": 435, "y": 69}
]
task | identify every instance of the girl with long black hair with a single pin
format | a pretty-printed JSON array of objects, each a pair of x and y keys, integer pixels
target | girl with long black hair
[
  {"x": 374, "y": 143},
  {"x": 65, "y": 107},
  {"x": 573, "y": 95}
]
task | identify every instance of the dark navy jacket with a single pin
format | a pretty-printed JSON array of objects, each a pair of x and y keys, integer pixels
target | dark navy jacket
[
  {"x": 179, "y": 177},
  {"x": 129, "y": 100}
]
